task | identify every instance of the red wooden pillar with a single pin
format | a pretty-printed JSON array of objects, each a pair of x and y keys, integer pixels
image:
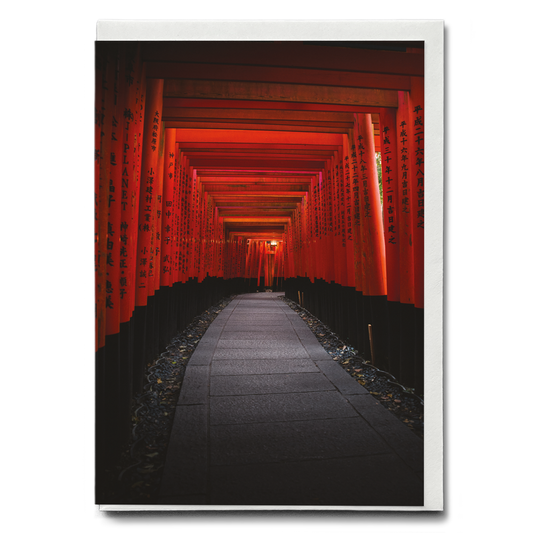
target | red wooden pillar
[
  {"x": 363, "y": 237},
  {"x": 417, "y": 185},
  {"x": 260, "y": 263},
  {"x": 195, "y": 272},
  {"x": 242, "y": 257},
  {"x": 324, "y": 249},
  {"x": 148, "y": 189},
  {"x": 113, "y": 205},
  {"x": 178, "y": 219},
  {"x": 371, "y": 215},
  {"x": 309, "y": 238},
  {"x": 202, "y": 223},
  {"x": 103, "y": 196},
  {"x": 211, "y": 238},
  {"x": 169, "y": 186},
  {"x": 341, "y": 206},
  {"x": 373, "y": 249},
  {"x": 315, "y": 238},
  {"x": 207, "y": 249},
  {"x": 289, "y": 259},
  {"x": 100, "y": 65},
  {"x": 389, "y": 172},
  {"x": 156, "y": 235},
  {"x": 295, "y": 235},
  {"x": 135, "y": 159},
  {"x": 184, "y": 221},
  {"x": 193, "y": 225},
  {"x": 256, "y": 256},
  {"x": 343, "y": 215},
  {"x": 247, "y": 263},
  {"x": 349, "y": 213},
  {"x": 337, "y": 247},
  {"x": 298, "y": 240},
  {"x": 331, "y": 215},
  {"x": 405, "y": 199},
  {"x": 185, "y": 208},
  {"x": 190, "y": 222},
  {"x": 129, "y": 186},
  {"x": 417, "y": 190},
  {"x": 277, "y": 262},
  {"x": 233, "y": 253},
  {"x": 220, "y": 237},
  {"x": 356, "y": 201}
]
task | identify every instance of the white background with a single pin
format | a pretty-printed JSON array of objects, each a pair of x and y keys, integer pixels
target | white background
[{"x": 46, "y": 410}]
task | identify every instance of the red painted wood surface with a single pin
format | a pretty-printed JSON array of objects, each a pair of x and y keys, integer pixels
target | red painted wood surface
[
  {"x": 403, "y": 129},
  {"x": 169, "y": 184},
  {"x": 139, "y": 117},
  {"x": 132, "y": 127},
  {"x": 98, "y": 122},
  {"x": 148, "y": 191},
  {"x": 158, "y": 212},
  {"x": 370, "y": 206},
  {"x": 417, "y": 185},
  {"x": 356, "y": 204},
  {"x": 349, "y": 212},
  {"x": 114, "y": 199},
  {"x": 389, "y": 169},
  {"x": 102, "y": 301},
  {"x": 178, "y": 221}
]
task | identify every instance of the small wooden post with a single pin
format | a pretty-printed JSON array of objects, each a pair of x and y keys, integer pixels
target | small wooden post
[{"x": 371, "y": 343}]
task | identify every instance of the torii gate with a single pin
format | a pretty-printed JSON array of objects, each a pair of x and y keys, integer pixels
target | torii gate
[{"x": 204, "y": 151}]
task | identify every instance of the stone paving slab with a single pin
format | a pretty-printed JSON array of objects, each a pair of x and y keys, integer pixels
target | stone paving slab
[
  {"x": 213, "y": 331},
  {"x": 251, "y": 304},
  {"x": 209, "y": 341},
  {"x": 252, "y": 344},
  {"x": 278, "y": 407},
  {"x": 260, "y": 310},
  {"x": 259, "y": 335},
  {"x": 249, "y": 353},
  {"x": 254, "y": 320},
  {"x": 337, "y": 482},
  {"x": 293, "y": 441},
  {"x": 306, "y": 335},
  {"x": 236, "y": 327},
  {"x": 266, "y": 318},
  {"x": 261, "y": 366},
  {"x": 406, "y": 444},
  {"x": 343, "y": 381},
  {"x": 186, "y": 465},
  {"x": 202, "y": 356},
  {"x": 195, "y": 386},
  {"x": 268, "y": 384},
  {"x": 315, "y": 351}
]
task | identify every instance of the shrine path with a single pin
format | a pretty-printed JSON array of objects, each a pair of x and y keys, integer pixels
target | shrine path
[{"x": 267, "y": 417}]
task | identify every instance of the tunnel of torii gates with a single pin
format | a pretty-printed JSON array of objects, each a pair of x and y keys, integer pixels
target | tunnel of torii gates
[{"x": 230, "y": 167}]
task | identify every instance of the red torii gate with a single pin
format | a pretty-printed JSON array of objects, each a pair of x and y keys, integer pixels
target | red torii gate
[{"x": 204, "y": 152}]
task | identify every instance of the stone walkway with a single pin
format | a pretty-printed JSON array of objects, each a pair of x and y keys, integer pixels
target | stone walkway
[{"x": 266, "y": 417}]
